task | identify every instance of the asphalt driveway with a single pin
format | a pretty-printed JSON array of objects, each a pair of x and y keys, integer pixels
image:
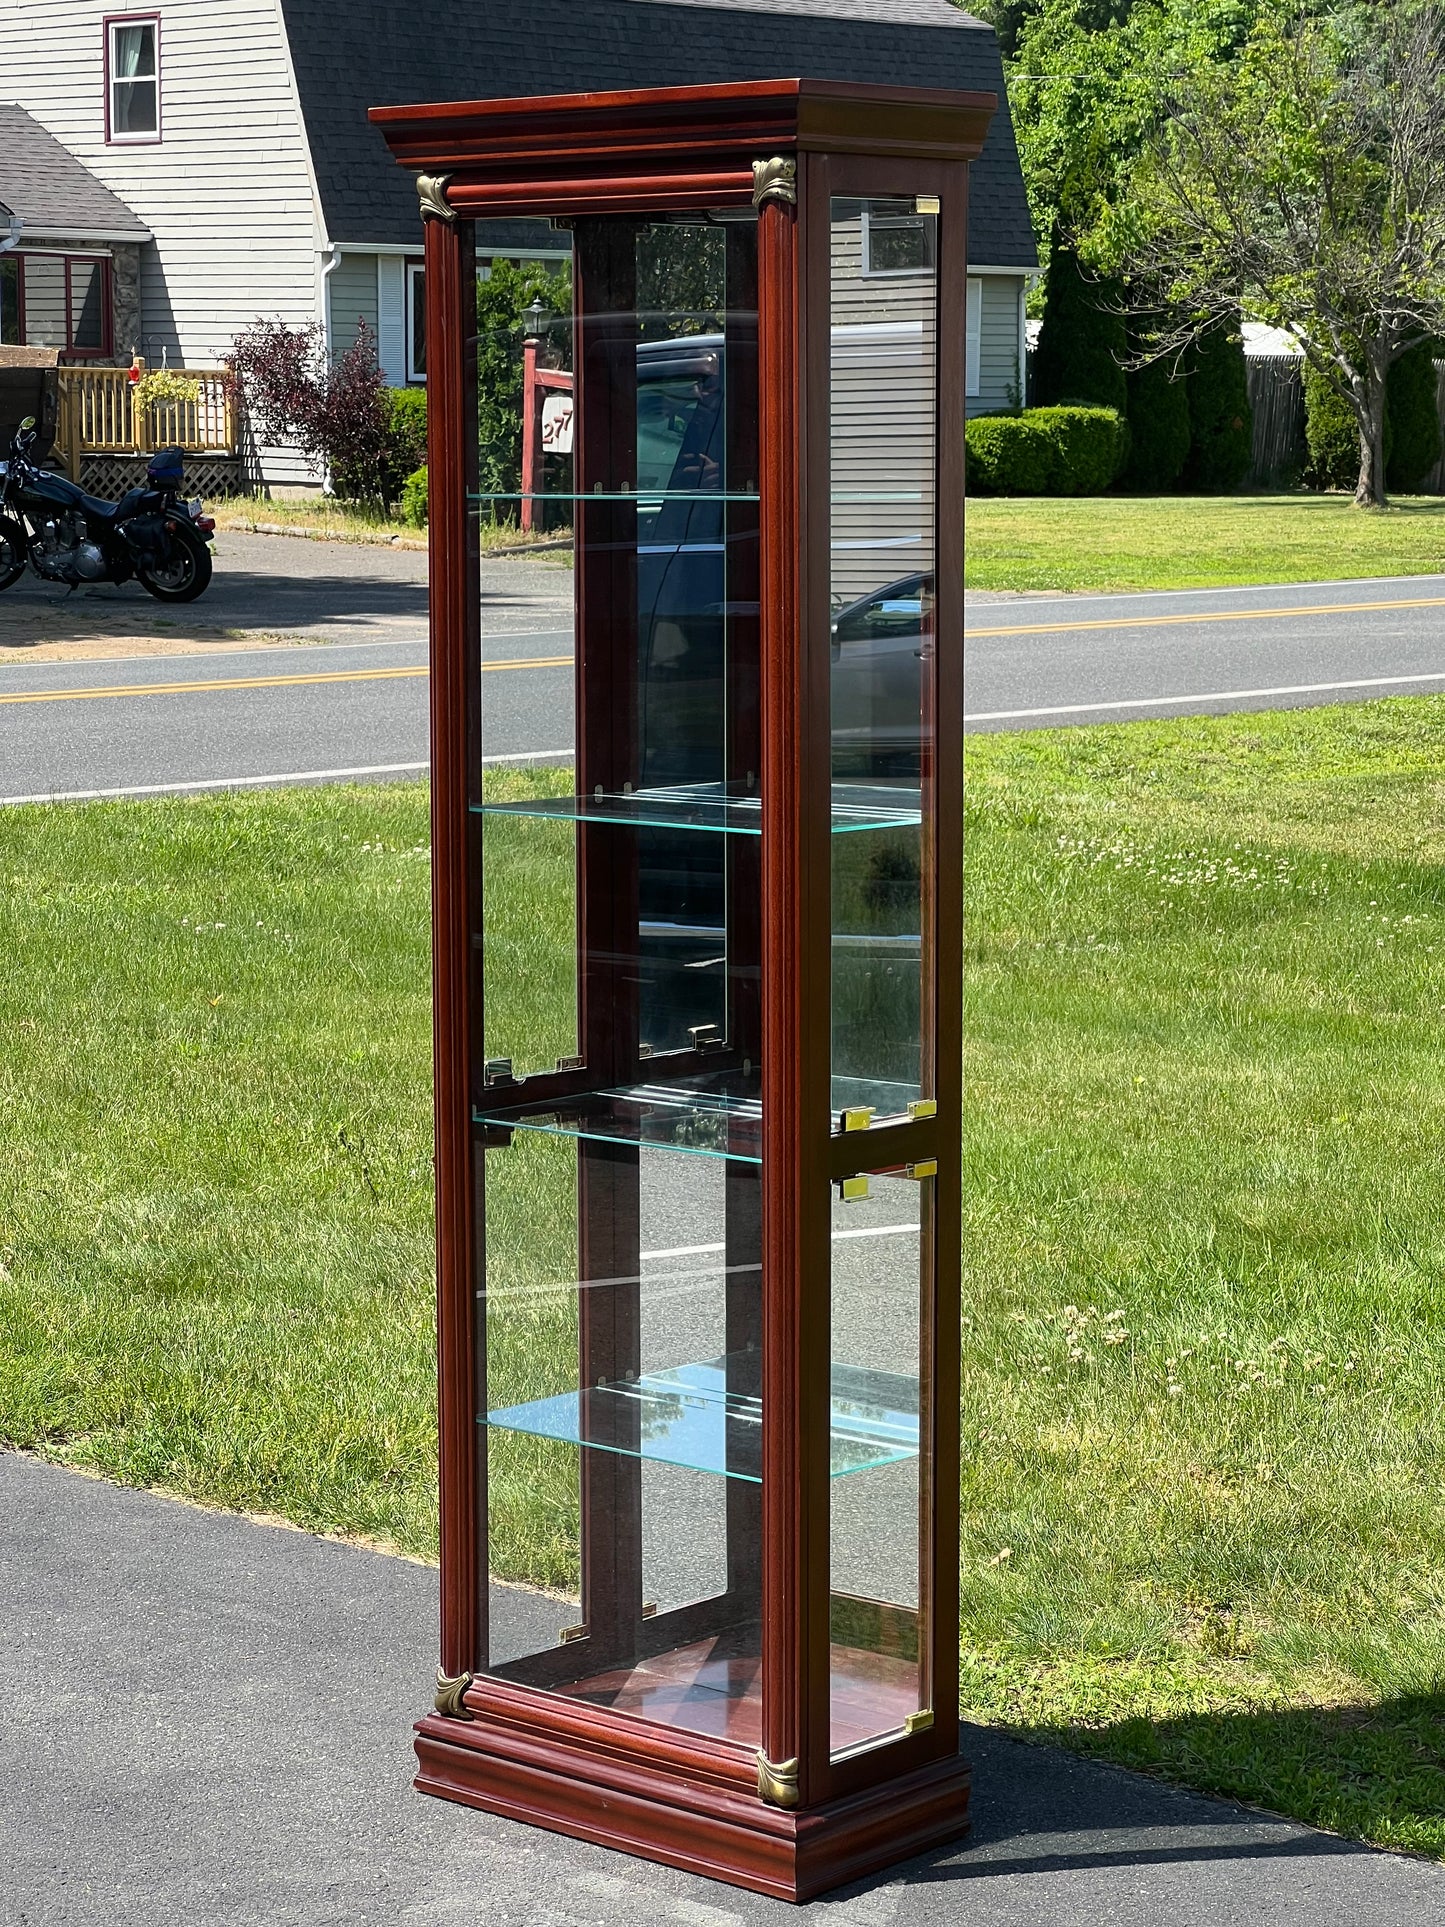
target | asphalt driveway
[{"x": 207, "y": 1721}]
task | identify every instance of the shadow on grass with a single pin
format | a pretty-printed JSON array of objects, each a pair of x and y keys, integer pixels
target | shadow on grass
[{"x": 1375, "y": 1773}]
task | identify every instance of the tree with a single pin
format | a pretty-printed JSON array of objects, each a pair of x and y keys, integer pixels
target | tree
[
  {"x": 1082, "y": 345},
  {"x": 335, "y": 411},
  {"x": 1413, "y": 413},
  {"x": 1221, "y": 421},
  {"x": 502, "y": 301},
  {"x": 1303, "y": 184},
  {"x": 1159, "y": 437}
]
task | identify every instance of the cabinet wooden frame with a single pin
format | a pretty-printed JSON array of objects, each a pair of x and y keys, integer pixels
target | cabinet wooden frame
[{"x": 659, "y": 1791}]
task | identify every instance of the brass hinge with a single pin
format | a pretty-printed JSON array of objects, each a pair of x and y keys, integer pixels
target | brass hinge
[
  {"x": 450, "y": 1696},
  {"x": 919, "y": 1722},
  {"x": 858, "y": 1117},
  {"x": 778, "y": 1785}
]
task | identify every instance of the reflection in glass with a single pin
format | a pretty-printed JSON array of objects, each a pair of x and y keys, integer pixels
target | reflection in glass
[
  {"x": 880, "y": 1334},
  {"x": 883, "y": 453}
]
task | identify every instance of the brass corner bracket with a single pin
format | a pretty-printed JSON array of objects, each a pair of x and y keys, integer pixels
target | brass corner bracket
[
  {"x": 778, "y": 1785},
  {"x": 431, "y": 191},
  {"x": 775, "y": 180},
  {"x": 451, "y": 1696}
]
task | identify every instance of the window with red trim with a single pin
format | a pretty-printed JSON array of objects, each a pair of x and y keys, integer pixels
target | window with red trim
[{"x": 63, "y": 301}]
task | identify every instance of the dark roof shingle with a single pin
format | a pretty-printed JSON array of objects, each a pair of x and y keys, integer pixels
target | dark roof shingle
[
  {"x": 48, "y": 188},
  {"x": 435, "y": 50}
]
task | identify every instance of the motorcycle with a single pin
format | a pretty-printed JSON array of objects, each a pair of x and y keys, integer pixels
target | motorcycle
[{"x": 68, "y": 536}]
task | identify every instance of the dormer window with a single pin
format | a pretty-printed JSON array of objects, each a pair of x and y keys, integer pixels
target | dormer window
[{"x": 133, "y": 67}]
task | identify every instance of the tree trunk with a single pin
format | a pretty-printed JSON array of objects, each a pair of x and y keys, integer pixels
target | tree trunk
[{"x": 1370, "y": 488}]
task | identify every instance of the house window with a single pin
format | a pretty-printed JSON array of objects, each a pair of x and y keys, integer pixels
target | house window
[
  {"x": 415, "y": 321},
  {"x": 973, "y": 382},
  {"x": 901, "y": 242},
  {"x": 63, "y": 301},
  {"x": 133, "y": 79}
]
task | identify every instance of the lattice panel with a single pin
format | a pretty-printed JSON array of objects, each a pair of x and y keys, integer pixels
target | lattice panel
[{"x": 213, "y": 478}]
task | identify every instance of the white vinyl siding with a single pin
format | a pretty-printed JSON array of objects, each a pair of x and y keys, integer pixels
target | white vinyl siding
[
  {"x": 354, "y": 298},
  {"x": 228, "y": 193}
]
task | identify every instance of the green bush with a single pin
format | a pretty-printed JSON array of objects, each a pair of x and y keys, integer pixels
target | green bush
[
  {"x": 414, "y": 499},
  {"x": 1414, "y": 416},
  {"x": 1082, "y": 344},
  {"x": 1221, "y": 421},
  {"x": 1159, "y": 436},
  {"x": 1046, "y": 451},
  {"x": 406, "y": 422},
  {"x": 502, "y": 302}
]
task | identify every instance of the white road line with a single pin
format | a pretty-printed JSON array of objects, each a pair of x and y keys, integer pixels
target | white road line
[
  {"x": 259, "y": 782},
  {"x": 1076, "y": 596},
  {"x": 1197, "y": 696}
]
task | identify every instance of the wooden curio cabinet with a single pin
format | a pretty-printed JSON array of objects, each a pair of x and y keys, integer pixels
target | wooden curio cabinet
[{"x": 698, "y": 980}]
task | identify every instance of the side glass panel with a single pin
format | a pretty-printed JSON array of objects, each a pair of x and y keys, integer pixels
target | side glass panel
[
  {"x": 883, "y": 454},
  {"x": 881, "y": 1422}
]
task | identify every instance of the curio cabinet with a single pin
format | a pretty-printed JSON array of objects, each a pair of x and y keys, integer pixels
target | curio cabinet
[{"x": 698, "y": 972}]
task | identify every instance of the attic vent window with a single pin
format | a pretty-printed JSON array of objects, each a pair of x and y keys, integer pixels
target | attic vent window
[{"x": 134, "y": 68}]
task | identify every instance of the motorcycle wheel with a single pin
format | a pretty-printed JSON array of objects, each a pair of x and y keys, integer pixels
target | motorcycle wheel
[
  {"x": 185, "y": 575},
  {"x": 14, "y": 547}
]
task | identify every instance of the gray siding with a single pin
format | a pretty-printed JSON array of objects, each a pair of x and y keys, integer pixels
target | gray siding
[
  {"x": 884, "y": 361},
  {"x": 352, "y": 286},
  {"x": 1000, "y": 376}
]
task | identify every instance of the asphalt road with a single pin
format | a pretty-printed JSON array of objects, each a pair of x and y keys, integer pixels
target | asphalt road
[
  {"x": 207, "y": 1721},
  {"x": 347, "y": 695}
]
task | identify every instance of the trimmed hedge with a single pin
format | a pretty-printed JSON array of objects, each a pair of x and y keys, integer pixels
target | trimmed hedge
[
  {"x": 1046, "y": 451},
  {"x": 1082, "y": 344}
]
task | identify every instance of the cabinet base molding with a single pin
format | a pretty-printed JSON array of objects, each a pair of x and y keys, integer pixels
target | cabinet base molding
[{"x": 659, "y": 1811}]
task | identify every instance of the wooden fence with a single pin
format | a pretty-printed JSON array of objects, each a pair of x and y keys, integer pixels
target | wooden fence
[{"x": 98, "y": 416}]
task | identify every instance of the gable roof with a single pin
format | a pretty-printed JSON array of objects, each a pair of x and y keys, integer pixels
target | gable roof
[
  {"x": 493, "y": 49},
  {"x": 52, "y": 193}
]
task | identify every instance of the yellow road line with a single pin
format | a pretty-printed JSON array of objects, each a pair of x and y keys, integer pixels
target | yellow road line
[
  {"x": 1206, "y": 615},
  {"x": 256, "y": 682}
]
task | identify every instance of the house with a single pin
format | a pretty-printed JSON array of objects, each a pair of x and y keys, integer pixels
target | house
[{"x": 241, "y": 178}]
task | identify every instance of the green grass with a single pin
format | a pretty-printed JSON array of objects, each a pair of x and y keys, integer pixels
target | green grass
[
  {"x": 1204, "y": 1447},
  {"x": 1204, "y": 1249},
  {"x": 1121, "y": 542}
]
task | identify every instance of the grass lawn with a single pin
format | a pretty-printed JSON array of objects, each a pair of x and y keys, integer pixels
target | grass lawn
[
  {"x": 1204, "y": 1497},
  {"x": 1110, "y": 542}
]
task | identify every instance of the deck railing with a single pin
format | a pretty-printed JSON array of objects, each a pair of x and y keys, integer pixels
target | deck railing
[{"x": 99, "y": 416}]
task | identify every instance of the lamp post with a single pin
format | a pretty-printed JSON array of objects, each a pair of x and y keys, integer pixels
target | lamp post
[{"x": 535, "y": 319}]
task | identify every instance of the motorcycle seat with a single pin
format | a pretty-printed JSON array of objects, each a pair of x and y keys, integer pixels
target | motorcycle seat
[{"x": 96, "y": 505}]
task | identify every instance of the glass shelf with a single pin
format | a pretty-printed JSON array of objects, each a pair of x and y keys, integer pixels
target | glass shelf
[
  {"x": 688, "y": 1416},
  {"x": 709, "y": 1123},
  {"x": 718, "y": 807},
  {"x": 643, "y": 497}
]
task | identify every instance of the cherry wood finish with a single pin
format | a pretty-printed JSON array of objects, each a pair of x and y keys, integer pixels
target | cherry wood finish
[
  {"x": 456, "y": 965},
  {"x": 564, "y": 1758}
]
